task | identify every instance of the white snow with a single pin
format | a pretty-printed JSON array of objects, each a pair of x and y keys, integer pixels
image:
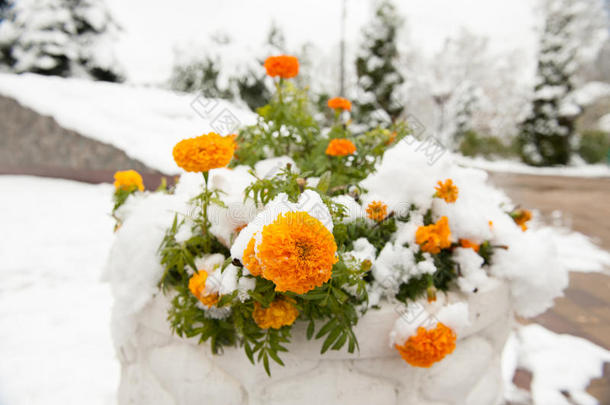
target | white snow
[
  {"x": 55, "y": 311},
  {"x": 537, "y": 349},
  {"x": 144, "y": 122},
  {"x": 148, "y": 51},
  {"x": 55, "y": 340},
  {"x": 511, "y": 166}
]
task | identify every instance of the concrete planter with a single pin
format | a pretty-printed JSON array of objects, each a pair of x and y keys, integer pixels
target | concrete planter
[{"x": 159, "y": 368}]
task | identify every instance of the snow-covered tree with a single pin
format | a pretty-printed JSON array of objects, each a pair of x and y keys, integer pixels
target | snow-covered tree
[
  {"x": 95, "y": 31},
  {"x": 59, "y": 37},
  {"x": 377, "y": 66},
  {"x": 571, "y": 34}
]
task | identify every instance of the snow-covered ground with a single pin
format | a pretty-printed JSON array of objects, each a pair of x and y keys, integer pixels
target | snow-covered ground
[
  {"x": 145, "y": 122},
  {"x": 536, "y": 349},
  {"x": 512, "y": 166},
  {"x": 55, "y": 342}
]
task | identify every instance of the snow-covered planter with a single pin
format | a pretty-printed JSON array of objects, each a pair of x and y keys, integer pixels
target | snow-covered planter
[
  {"x": 352, "y": 269},
  {"x": 159, "y": 368}
]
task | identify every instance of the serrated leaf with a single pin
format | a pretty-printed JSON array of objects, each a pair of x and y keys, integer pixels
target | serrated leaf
[
  {"x": 275, "y": 357},
  {"x": 326, "y": 328},
  {"x": 249, "y": 352},
  {"x": 340, "y": 342},
  {"x": 330, "y": 339},
  {"x": 310, "y": 329},
  {"x": 266, "y": 365}
]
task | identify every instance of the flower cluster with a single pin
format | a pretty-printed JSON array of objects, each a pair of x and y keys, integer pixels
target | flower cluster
[{"x": 283, "y": 227}]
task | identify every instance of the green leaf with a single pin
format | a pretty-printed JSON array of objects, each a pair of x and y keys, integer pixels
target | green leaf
[
  {"x": 249, "y": 353},
  {"x": 330, "y": 339},
  {"x": 326, "y": 328},
  {"x": 266, "y": 365},
  {"x": 324, "y": 182},
  {"x": 310, "y": 329},
  {"x": 340, "y": 342}
]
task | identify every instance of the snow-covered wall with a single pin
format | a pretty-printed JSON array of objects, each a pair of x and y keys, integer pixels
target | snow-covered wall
[
  {"x": 146, "y": 123},
  {"x": 36, "y": 143}
]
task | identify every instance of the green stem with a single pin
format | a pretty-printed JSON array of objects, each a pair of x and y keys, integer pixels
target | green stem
[
  {"x": 206, "y": 222},
  {"x": 337, "y": 116},
  {"x": 278, "y": 85}
]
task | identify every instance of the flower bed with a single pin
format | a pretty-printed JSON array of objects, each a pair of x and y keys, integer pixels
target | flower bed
[{"x": 324, "y": 263}]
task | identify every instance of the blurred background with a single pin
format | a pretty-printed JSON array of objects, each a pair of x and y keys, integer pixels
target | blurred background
[{"x": 518, "y": 88}]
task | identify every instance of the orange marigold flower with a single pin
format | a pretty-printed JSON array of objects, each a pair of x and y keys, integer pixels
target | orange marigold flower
[
  {"x": 197, "y": 287},
  {"x": 129, "y": 180},
  {"x": 432, "y": 238},
  {"x": 283, "y": 66},
  {"x": 377, "y": 211},
  {"x": 466, "y": 243},
  {"x": 340, "y": 103},
  {"x": 447, "y": 191},
  {"x": 205, "y": 152},
  {"x": 250, "y": 260},
  {"x": 391, "y": 138},
  {"x": 340, "y": 147},
  {"x": 297, "y": 252},
  {"x": 521, "y": 217},
  {"x": 428, "y": 346},
  {"x": 280, "y": 313}
]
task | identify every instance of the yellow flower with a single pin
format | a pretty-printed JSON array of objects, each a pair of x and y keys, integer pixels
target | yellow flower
[
  {"x": 280, "y": 313},
  {"x": 377, "y": 211},
  {"x": 129, "y": 180},
  {"x": 296, "y": 252},
  {"x": 433, "y": 238},
  {"x": 197, "y": 288},
  {"x": 521, "y": 217},
  {"x": 205, "y": 152},
  {"x": 250, "y": 260},
  {"x": 340, "y": 147},
  {"x": 428, "y": 346},
  {"x": 447, "y": 191},
  {"x": 466, "y": 243}
]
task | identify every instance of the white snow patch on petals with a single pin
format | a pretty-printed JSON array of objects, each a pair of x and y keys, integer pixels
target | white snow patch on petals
[{"x": 309, "y": 202}]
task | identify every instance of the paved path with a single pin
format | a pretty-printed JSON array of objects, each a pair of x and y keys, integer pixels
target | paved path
[{"x": 585, "y": 204}]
